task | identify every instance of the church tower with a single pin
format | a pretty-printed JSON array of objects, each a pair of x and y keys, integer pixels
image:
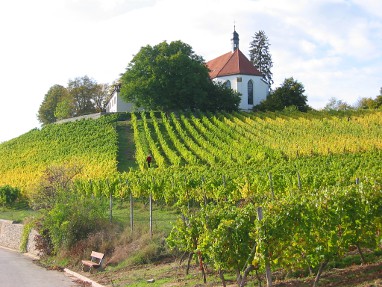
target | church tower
[{"x": 235, "y": 40}]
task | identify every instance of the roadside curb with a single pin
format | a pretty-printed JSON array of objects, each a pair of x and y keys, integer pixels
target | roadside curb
[{"x": 82, "y": 278}]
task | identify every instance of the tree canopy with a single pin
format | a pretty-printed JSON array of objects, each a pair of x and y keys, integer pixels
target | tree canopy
[
  {"x": 370, "y": 103},
  {"x": 46, "y": 112},
  {"x": 81, "y": 96},
  {"x": 170, "y": 76},
  {"x": 260, "y": 55},
  {"x": 290, "y": 93},
  {"x": 335, "y": 104}
]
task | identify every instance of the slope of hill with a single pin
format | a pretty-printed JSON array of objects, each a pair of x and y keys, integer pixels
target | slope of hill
[
  {"x": 316, "y": 175},
  {"x": 324, "y": 148},
  {"x": 88, "y": 144}
]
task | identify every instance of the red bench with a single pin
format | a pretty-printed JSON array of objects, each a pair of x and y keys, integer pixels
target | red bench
[{"x": 94, "y": 262}]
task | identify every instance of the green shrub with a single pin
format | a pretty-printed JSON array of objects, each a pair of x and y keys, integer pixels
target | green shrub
[
  {"x": 8, "y": 195},
  {"x": 71, "y": 219}
]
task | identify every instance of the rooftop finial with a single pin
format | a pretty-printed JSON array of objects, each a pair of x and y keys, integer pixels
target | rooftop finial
[{"x": 235, "y": 39}]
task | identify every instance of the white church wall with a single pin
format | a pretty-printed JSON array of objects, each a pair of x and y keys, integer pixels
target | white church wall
[
  {"x": 239, "y": 83},
  {"x": 118, "y": 105}
]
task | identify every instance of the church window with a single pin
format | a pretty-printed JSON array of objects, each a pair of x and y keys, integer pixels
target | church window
[
  {"x": 228, "y": 84},
  {"x": 250, "y": 92}
]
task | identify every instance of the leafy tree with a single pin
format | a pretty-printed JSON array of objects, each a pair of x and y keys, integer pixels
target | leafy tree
[
  {"x": 100, "y": 97},
  {"x": 369, "y": 103},
  {"x": 260, "y": 55},
  {"x": 82, "y": 91},
  {"x": 65, "y": 108},
  {"x": 366, "y": 103},
  {"x": 222, "y": 98},
  {"x": 337, "y": 105},
  {"x": 290, "y": 93},
  {"x": 168, "y": 77},
  {"x": 46, "y": 112}
]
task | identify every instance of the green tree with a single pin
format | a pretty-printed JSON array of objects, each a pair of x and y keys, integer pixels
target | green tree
[
  {"x": 336, "y": 105},
  {"x": 260, "y": 55},
  {"x": 369, "y": 103},
  {"x": 168, "y": 77},
  {"x": 366, "y": 103},
  {"x": 290, "y": 93},
  {"x": 83, "y": 92},
  {"x": 46, "y": 112},
  {"x": 101, "y": 96},
  {"x": 65, "y": 108}
]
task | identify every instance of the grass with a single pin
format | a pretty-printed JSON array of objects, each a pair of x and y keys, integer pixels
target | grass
[
  {"x": 15, "y": 214},
  {"x": 126, "y": 148},
  {"x": 163, "y": 218}
]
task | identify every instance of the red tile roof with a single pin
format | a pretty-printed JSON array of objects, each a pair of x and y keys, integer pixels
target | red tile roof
[{"x": 232, "y": 63}]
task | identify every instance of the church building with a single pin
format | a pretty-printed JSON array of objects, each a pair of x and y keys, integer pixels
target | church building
[
  {"x": 238, "y": 73},
  {"x": 233, "y": 69}
]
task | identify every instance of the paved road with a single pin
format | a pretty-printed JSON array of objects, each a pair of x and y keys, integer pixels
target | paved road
[{"x": 17, "y": 270}]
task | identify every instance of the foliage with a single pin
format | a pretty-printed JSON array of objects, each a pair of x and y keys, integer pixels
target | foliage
[
  {"x": 73, "y": 217},
  {"x": 260, "y": 55},
  {"x": 171, "y": 77},
  {"x": 290, "y": 93},
  {"x": 47, "y": 111},
  {"x": 369, "y": 103},
  {"x": 81, "y": 96},
  {"x": 337, "y": 105},
  {"x": 82, "y": 91},
  {"x": 54, "y": 180},
  {"x": 8, "y": 195}
]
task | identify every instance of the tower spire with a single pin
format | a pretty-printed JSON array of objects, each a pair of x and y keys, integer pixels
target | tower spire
[{"x": 235, "y": 39}]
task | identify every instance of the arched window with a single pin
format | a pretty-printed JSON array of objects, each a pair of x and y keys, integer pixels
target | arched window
[
  {"x": 250, "y": 92},
  {"x": 228, "y": 84}
]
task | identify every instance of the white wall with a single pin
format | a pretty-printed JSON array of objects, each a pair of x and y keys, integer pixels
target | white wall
[
  {"x": 118, "y": 105},
  {"x": 260, "y": 89}
]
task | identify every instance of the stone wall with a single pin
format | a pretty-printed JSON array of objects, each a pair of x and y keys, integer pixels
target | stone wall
[{"x": 11, "y": 235}]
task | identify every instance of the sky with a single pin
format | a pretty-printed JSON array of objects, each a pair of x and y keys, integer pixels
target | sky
[{"x": 332, "y": 47}]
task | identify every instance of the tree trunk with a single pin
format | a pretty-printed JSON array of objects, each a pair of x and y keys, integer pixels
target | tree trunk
[
  {"x": 361, "y": 254},
  {"x": 320, "y": 270},
  {"x": 221, "y": 275},
  {"x": 258, "y": 277},
  {"x": 189, "y": 262},
  {"x": 245, "y": 275},
  {"x": 201, "y": 266}
]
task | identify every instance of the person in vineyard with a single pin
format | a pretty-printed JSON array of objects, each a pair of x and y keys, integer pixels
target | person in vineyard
[{"x": 149, "y": 159}]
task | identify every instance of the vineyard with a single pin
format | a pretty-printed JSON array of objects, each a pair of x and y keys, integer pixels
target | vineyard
[
  {"x": 287, "y": 190},
  {"x": 88, "y": 144}
]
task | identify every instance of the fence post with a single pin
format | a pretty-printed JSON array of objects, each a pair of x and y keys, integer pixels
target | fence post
[
  {"x": 131, "y": 212},
  {"x": 151, "y": 215},
  {"x": 271, "y": 185},
  {"x": 268, "y": 273},
  {"x": 110, "y": 202},
  {"x": 299, "y": 180}
]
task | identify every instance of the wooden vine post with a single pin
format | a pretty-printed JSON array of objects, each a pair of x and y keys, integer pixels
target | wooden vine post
[
  {"x": 151, "y": 214},
  {"x": 131, "y": 212},
  {"x": 268, "y": 273}
]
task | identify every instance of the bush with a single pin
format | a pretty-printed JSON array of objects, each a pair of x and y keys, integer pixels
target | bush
[
  {"x": 71, "y": 219},
  {"x": 8, "y": 195}
]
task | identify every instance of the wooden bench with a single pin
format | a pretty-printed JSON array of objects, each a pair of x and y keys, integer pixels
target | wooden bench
[{"x": 94, "y": 262}]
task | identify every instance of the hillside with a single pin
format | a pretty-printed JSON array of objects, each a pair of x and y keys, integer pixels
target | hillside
[
  {"x": 316, "y": 178},
  {"x": 88, "y": 144},
  {"x": 324, "y": 148}
]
